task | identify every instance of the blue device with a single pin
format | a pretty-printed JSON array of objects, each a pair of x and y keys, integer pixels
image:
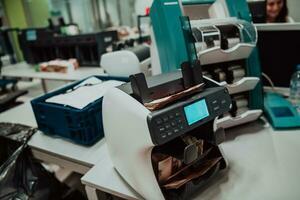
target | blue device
[{"x": 280, "y": 112}]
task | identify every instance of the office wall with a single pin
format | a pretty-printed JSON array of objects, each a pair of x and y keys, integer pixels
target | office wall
[
  {"x": 59, "y": 5},
  {"x": 127, "y": 17},
  {"x": 140, "y": 6},
  {"x": 112, "y": 11},
  {"x": 25, "y": 13},
  {"x": 15, "y": 13},
  {"x": 294, "y": 6},
  {"x": 38, "y": 11},
  {"x": 128, "y": 12},
  {"x": 16, "y": 18},
  {"x": 81, "y": 13}
]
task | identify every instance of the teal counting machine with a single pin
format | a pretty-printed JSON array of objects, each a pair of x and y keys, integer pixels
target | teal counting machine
[{"x": 221, "y": 36}]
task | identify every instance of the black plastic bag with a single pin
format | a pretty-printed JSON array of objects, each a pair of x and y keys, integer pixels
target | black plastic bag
[{"x": 21, "y": 176}]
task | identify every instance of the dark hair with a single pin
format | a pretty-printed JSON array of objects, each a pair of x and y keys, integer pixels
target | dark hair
[{"x": 282, "y": 16}]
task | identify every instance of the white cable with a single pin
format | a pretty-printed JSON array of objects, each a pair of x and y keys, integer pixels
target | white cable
[{"x": 269, "y": 80}]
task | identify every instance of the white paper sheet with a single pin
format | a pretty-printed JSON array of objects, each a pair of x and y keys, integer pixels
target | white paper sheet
[
  {"x": 91, "y": 81},
  {"x": 84, "y": 94}
]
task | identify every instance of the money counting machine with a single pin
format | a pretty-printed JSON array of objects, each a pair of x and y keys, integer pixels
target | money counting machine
[
  {"x": 224, "y": 40},
  {"x": 161, "y": 132}
]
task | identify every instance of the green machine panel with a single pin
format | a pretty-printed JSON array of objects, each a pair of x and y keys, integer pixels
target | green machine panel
[
  {"x": 165, "y": 16},
  {"x": 196, "y": 2},
  {"x": 239, "y": 9},
  {"x": 173, "y": 49}
]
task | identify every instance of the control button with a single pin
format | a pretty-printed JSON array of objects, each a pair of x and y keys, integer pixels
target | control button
[
  {"x": 159, "y": 121},
  {"x": 216, "y": 108},
  {"x": 164, "y": 136},
  {"x": 173, "y": 123},
  {"x": 167, "y": 126},
  {"x": 161, "y": 129},
  {"x": 223, "y": 101},
  {"x": 170, "y": 133},
  {"x": 176, "y": 130},
  {"x": 177, "y": 114},
  {"x": 171, "y": 116},
  {"x": 179, "y": 121},
  {"x": 215, "y": 102},
  {"x": 181, "y": 127},
  {"x": 165, "y": 118}
]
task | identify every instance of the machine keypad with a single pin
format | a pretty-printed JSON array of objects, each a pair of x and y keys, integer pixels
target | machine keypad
[
  {"x": 216, "y": 108},
  {"x": 218, "y": 104},
  {"x": 165, "y": 119},
  {"x": 171, "y": 124},
  {"x": 159, "y": 121},
  {"x": 162, "y": 129},
  {"x": 215, "y": 102}
]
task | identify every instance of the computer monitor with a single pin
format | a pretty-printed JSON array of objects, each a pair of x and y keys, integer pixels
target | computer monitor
[
  {"x": 258, "y": 10},
  {"x": 279, "y": 51}
]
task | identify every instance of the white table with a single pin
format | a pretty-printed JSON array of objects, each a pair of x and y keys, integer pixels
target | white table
[
  {"x": 263, "y": 164},
  {"x": 74, "y": 157},
  {"x": 104, "y": 177},
  {"x": 24, "y": 70}
]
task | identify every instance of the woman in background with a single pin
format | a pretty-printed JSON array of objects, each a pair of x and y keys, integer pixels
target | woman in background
[{"x": 277, "y": 11}]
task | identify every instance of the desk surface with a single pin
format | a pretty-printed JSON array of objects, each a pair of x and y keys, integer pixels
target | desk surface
[
  {"x": 25, "y": 70},
  {"x": 58, "y": 148},
  {"x": 104, "y": 177},
  {"x": 263, "y": 164},
  {"x": 277, "y": 26}
]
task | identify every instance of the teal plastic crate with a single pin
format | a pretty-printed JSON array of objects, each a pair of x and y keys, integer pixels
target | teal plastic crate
[{"x": 81, "y": 126}]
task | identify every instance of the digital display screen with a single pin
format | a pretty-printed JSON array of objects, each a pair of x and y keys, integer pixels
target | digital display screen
[
  {"x": 196, "y": 111},
  {"x": 31, "y": 35},
  {"x": 282, "y": 112}
]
